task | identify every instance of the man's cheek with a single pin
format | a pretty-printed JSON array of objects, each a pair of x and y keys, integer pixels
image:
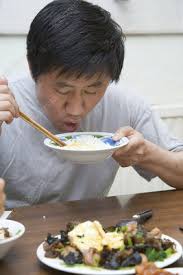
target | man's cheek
[{"x": 51, "y": 101}]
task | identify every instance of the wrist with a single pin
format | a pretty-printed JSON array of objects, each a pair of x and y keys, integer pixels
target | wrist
[{"x": 151, "y": 154}]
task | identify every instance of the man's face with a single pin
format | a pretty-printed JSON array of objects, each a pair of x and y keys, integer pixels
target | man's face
[{"x": 66, "y": 100}]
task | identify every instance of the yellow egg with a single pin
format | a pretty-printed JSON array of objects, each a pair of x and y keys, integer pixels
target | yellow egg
[
  {"x": 86, "y": 235},
  {"x": 89, "y": 234}
]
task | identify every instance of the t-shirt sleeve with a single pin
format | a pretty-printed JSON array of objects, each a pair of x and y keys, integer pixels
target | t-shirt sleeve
[{"x": 145, "y": 120}]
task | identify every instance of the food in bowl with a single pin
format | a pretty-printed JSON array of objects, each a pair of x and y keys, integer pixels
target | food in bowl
[
  {"x": 86, "y": 147},
  {"x": 4, "y": 233},
  {"x": 15, "y": 231},
  {"x": 84, "y": 142},
  {"x": 116, "y": 247}
]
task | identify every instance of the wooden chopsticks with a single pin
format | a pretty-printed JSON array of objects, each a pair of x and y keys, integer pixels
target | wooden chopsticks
[{"x": 41, "y": 129}]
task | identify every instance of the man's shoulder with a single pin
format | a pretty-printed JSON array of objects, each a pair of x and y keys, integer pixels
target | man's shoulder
[
  {"x": 124, "y": 95},
  {"x": 23, "y": 88},
  {"x": 20, "y": 78},
  {"x": 21, "y": 81}
]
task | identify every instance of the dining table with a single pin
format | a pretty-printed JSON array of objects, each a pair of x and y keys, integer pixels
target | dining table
[{"x": 167, "y": 208}]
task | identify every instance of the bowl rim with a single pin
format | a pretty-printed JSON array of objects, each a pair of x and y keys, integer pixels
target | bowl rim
[
  {"x": 47, "y": 142},
  {"x": 17, "y": 235}
]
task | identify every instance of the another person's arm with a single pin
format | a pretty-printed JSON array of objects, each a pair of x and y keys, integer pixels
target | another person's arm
[
  {"x": 2, "y": 196},
  {"x": 142, "y": 153}
]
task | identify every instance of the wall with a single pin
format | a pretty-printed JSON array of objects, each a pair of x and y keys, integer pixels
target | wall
[
  {"x": 154, "y": 30},
  {"x": 144, "y": 16},
  {"x": 153, "y": 65}
]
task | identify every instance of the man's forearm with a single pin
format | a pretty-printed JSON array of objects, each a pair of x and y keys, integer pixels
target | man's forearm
[{"x": 165, "y": 164}]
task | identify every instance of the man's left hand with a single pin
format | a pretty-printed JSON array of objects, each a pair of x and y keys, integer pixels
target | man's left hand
[{"x": 134, "y": 152}]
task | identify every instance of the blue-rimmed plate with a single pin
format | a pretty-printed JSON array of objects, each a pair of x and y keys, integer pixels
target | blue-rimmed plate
[{"x": 87, "y": 147}]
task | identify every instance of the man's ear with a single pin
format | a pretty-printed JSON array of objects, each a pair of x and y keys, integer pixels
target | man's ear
[{"x": 29, "y": 65}]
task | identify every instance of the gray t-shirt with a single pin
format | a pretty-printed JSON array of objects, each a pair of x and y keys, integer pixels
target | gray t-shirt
[{"x": 35, "y": 174}]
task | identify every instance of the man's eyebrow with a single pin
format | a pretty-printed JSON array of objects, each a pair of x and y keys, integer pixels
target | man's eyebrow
[
  {"x": 95, "y": 84},
  {"x": 62, "y": 84}
]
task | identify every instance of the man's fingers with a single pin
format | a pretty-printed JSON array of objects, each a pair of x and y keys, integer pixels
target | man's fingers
[
  {"x": 7, "y": 101},
  {"x": 7, "y": 106},
  {"x": 2, "y": 183},
  {"x": 3, "y": 80},
  {"x": 9, "y": 98},
  {"x": 133, "y": 147},
  {"x": 2, "y": 200},
  {"x": 123, "y": 132},
  {"x": 6, "y": 116}
]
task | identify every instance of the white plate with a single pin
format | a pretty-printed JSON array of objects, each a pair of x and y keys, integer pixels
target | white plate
[
  {"x": 60, "y": 265},
  {"x": 175, "y": 270},
  {"x": 85, "y": 156}
]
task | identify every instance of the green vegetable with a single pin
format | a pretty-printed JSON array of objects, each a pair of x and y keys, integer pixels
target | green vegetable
[
  {"x": 96, "y": 259},
  {"x": 122, "y": 248},
  {"x": 129, "y": 240},
  {"x": 139, "y": 235},
  {"x": 121, "y": 228},
  {"x": 98, "y": 136},
  {"x": 60, "y": 250},
  {"x": 69, "y": 137},
  {"x": 18, "y": 232},
  {"x": 154, "y": 255},
  {"x": 139, "y": 238},
  {"x": 124, "y": 228},
  {"x": 169, "y": 252}
]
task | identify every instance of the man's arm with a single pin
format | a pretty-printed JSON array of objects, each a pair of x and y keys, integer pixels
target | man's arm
[{"x": 163, "y": 163}]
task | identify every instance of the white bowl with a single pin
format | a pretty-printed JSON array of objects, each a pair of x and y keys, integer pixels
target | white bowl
[
  {"x": 16, "y": 230},
  {"x": 86, "y": 156}
]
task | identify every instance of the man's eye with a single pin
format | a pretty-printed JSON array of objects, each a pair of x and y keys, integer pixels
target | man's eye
[
  {"x": 61, "y": 92},
  {"x": 90, "y": 92}
]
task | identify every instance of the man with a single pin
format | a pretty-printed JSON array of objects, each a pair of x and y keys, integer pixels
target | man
[{"x": 75, "y": 50}]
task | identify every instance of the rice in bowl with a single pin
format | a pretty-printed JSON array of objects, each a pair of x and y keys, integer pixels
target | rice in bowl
[
  {"x": 85, "y": 142},
  {"x": 86, "y": 147}
]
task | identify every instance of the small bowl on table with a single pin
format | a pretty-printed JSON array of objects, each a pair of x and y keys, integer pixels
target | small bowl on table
[
  {"x": 15, "y": 229},
  {"x": 86, "y": 147}
]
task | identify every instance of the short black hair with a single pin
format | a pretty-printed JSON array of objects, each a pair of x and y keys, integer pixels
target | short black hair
[{"x": 77, "y": 38}]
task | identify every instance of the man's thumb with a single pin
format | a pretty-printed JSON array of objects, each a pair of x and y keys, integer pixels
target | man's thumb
[
  {"x": 123, "y": 132},
  {"x": 3, "y": 80}
]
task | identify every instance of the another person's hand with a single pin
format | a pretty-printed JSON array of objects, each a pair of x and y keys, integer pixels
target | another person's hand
[
  {"x": 2, "y": 196},
  {"x": 8, "y": 106},
  {"x": 134, "y": 152}
]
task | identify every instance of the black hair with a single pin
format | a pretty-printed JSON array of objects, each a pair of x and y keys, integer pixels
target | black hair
[{"x": 76, "y": 38}]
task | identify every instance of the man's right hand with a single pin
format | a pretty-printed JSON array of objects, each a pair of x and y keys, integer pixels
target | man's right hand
[
  {"x": 2, "y": 196},
  {"x": 8, "y": 106}
]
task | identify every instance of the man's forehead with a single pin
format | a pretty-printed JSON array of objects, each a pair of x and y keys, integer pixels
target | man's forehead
[{"x": 94, "y": 80}]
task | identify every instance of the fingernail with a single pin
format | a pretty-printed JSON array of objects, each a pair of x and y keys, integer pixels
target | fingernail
[
  {"x": 116, "y": 137},
  {"x": 2, "y": 77}
]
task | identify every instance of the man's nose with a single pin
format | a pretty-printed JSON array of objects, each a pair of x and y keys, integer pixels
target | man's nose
[{"x": 75, "y": 105}]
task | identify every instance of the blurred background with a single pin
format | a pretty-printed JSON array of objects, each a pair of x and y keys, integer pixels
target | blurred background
[{"x": 153, "y": 63}]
